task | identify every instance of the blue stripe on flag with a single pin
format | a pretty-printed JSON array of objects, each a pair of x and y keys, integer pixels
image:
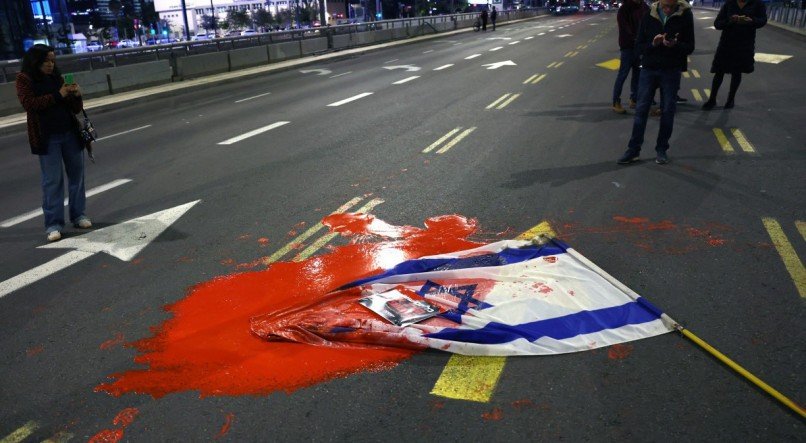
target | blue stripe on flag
[
  {"x": 506, "y": 256},
  {"x": 559, "y": 328}
]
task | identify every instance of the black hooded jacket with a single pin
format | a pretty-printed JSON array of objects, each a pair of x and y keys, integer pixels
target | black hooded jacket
[{"x": 679, "y": 24}]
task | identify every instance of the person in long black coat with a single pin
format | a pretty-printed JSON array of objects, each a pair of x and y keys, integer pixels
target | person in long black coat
[{"x": 738, "y": 21}]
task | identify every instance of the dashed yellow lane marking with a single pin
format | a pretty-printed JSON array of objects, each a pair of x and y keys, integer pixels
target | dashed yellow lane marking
[
  {"x": 801, "y": 228},
  {"x": 568, "y": 53},
  {"x": 707, "y": 92},
  {"x": 475, "y": 378},
  {"x": 60, "y": 437},
  {"x": 441, "y": 140},
  {"x": 530, "y": 79},
  {"x": 21, "y": 433},
  {"x": 551, "y": 65},
  {"x": 695, "y": 73},
  {"x": 696, "y": 95},
  {"x": 787, "y": 252},
  {"x": 573, "y": 54},
  {"x": 558, "y": 65},
  {"x": 723, "y": 141},
  {"x": 541, "y": 77},
  {"x": 508, "y": 101},
  {"x": 323, "y": 240},
  {"x": 456, "y": 140},
  {"x": 686, "y": 75},
  {"x": 311, "y": 231},
  {"x": 501, "y": 99},
  {"x": 742, "y": 140}
]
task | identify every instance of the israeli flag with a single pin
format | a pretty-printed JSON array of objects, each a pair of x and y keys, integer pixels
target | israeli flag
[{"x": 509, "y": 298}]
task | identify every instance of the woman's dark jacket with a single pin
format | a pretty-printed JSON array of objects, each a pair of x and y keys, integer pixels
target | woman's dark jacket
[
  {"x": 36, "y": 104},
  {"x": 737, "y": 44},
  {"x": 680, "y": 24}
]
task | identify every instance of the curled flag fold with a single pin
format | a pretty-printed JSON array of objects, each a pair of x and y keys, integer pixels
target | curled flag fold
[{"x": 506, "y": 298}]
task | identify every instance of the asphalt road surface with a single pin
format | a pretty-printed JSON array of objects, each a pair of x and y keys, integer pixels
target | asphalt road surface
[{"x": 716, "y": 238}]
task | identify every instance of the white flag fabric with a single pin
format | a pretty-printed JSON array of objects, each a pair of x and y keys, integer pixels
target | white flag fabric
[{"x": 505, "y": 298}]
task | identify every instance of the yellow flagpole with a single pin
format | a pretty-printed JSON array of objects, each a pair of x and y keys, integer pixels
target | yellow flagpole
[{"x": 742, "y": 371}]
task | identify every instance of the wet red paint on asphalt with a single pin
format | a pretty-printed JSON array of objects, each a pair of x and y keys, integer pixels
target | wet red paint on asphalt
[
  {"x": 109, "y": 344},
  {"x": 207, "y": 346},
  {"x": 227, "y": 424},
  {"x": 494, "y": 415},
  {"x": 123, "y": 419},
  {"x": 619, "y": 351}
]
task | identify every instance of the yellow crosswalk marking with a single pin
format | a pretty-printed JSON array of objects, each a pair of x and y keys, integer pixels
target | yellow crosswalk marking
[
  {"x": 788, "y": 255},
  {"x": 723, "y": 141},
  {"x": 475, "y": 378},
  {"x": 742, "y": 140}
]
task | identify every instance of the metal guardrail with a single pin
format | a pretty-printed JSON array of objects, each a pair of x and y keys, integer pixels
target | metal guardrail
[
  {"x": 107, "y": 58},
  {"x": 790, "y": 13}
]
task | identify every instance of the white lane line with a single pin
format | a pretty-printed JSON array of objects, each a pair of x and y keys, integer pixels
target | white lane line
[
  {"x": 542, "y": 33},
  {"x": 430, "y": 50},
  {"x": 253, "y": 133},
  {"x": 348, "y": 100},
  {"x": 391, "y": 61},
  {"x": 35, "y": 213},
  {"x": 42, "y": 271},
  {"x": 339, "y": 75},
  {"x": 472, "y": 56},
  {"x": 443, "y": 67},
  {"x": 529, "y": 38},
  {"x": 496, "y": 48},
  {"x": 253, "y": 97},
  {"x": 121, "y": 133},
  {"x": 515, "y": 42},
  {"x": 407, "y": 79}
]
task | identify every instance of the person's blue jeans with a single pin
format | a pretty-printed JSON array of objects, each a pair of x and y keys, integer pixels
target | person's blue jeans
[
  {"x": 627, "y": 64},
  {"x": 668, "y": 80},
  {"x": 62, "y": 149}
]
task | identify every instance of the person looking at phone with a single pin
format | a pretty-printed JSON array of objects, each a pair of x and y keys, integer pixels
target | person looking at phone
[
  {"x": 735, "y": 54},
  {"x": 665, "y": 38},
  {"x": 51, "y": 105}
]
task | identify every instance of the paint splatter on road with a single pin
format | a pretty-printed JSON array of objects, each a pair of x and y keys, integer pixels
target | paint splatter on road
[
  {"x": 228, "y": 419},
  {"x": 495, "y": 415},
  {"x": 207, "y": 345},
  {"x": 111, "y": 343},
  {"x": 619, "y": 351},
  {"x": 123, "y": 420}
]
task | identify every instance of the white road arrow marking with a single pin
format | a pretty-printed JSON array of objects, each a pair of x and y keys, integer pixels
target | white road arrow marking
[
  {"x": 771, "y": 58},
  {"x": 317, "y": 71},
  {"x": 124, "y": 241},
  {"x": 499, "y": 64},
  {"x": 409, "y": 68}
]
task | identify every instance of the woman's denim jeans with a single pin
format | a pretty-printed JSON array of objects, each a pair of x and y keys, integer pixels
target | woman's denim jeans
[{"x": 62, "y": 149}]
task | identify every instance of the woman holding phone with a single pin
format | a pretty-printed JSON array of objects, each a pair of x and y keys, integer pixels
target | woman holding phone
[
  {"x": 738, "y": 21},
  {"x": 53, "y": 133}
]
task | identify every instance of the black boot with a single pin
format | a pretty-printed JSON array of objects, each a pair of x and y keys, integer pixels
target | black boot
[
  {"x": 707, "y": 106},
  {"x": 729, "y": 104}
]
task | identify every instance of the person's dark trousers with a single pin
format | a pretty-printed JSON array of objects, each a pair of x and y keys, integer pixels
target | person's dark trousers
[
  {"x": 484, "y": 25},
  {"x": 627, "y": 64},
  {"x": 668, "y": 80},
  {"x": 64, "y": 150}
]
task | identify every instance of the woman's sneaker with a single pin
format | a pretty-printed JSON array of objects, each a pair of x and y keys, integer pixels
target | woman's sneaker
[
  {"x": 83, "y": 222},
  {"x": 54, "y": 236}
]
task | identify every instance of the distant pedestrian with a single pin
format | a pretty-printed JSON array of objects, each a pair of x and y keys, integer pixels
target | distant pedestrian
[
  {"x": 738, "y": 21},
  {"x": 484, "y": 20},
  {"x": 53, "y": 133},
  {"x": 493, "y": 16},
  {"x": 665, "y": 38},
  {"x": 629, "y": 18}
]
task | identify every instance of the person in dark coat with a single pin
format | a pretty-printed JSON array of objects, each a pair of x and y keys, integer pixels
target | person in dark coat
[
  {"x": 738, "y": 21},
  {"x": 628, "y": 18},
  {"x": 53, "y": 133},
  {"x": 493, "y": 17},
  {"x": 665, "y": 38},
  {"x": 484, "y": 20}
]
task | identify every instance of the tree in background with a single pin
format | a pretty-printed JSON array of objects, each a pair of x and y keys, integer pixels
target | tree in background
[
  {"x": 238, "y": 19},
  {"x": 262, "y": 18},
  {"x": 210, "y": 23}
]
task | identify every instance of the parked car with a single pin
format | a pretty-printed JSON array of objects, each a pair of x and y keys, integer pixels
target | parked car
[
  {"x": 248, "y": 32},
  {"x": 128, "y": 43},
  {"x": 111, "y": 44},
  {"x": 94, "y": 46},
  {"x": 566, "y": 9}
]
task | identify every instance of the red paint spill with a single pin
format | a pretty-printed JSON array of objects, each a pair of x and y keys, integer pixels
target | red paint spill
[
  {"x": 207, "y": 345},
  {"x": 262, "y": 261},
  {"x": 30, "y": 352},
  {"x": 109, "y": 344},
  {"x": 437, "y": 405},
  {"x": 244, "y": 236},
  {"x": 228, "y": 261},
  {"x": 123, "y": 419},
  {"x": 523, "y": 404},
  {"x": 542, "y": 288},
  {"x": 550, "y": 259},
  {"x": 716, "y": 241},
  {"x": 137, "y": 261},
  {"x": 638, "y": 220},
  {"x": 495, "y": 415},
  {"x": 263, "y": 241},
  {"x": 225, "y": 427},
  {"x": 619, "y": 351}
]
